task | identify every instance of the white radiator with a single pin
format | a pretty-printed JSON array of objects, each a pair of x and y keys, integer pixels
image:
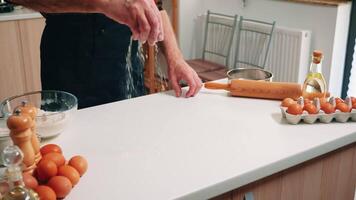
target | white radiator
[
  {"x": 288, "y": 57},
  {"x": 289, "y": 54}
]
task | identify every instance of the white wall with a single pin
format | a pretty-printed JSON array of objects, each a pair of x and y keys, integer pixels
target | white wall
[
  {"x": 321, "y": 20},
  {"x": 352, "y": 83},
  {"x": 189, "y": 9}
]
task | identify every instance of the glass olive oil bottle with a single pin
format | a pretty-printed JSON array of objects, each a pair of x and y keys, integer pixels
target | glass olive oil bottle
[
  {"x": 12, "y": 157},
  {"x": 314, "y": 84}
]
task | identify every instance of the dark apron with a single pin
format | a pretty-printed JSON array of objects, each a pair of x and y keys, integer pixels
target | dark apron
[{"x": 85, "y": 54}]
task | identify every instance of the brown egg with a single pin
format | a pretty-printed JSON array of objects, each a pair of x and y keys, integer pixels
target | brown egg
[
  {"x": 295, "y": 109},
  {"x": 311, "y": 108},
  {"x": 338, "y": 100},
  {"x": 323, "y": 100},
  {"x": 79, "y": 163},
  {"x": 328, "y": 108},
  {"x": 61, "y": 186},
  {"x": 49, "y": 148},
  {"x": 343, "y": 107},
  {"x": 29, "y": 181},
  {"x": 70, "y": 172},
  {"x": 46, "y": 193},
  {"x": 353, "y": 100},
  {"x": 56, "y": 157},
  {"x": 287, "y": 102},
  {"x": 46, "y": 169},
  {"x": 307, "y": 101}
]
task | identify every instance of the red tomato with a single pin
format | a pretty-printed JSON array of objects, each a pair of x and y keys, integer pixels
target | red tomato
[
  {"x": 49, "y": 148},
  {"x": 29, "y": 181},
  {"x": 328, "y": 108},
  {"x": 343, "y": 107},
  {"x": 295, "y": 109},
  {"x": 61, "y": 186},
  {"x": 55, "y": 157},
  {"x": 354, "y": 106},
  {"x": 46, "y": 193},
  {"x": 79, "y": 163},
  {"x": 70, "y": 172},
  {"x": 46, "y": 169},
  {"x": 311, "y": 108},
  {"x": 4, "y": 187}
]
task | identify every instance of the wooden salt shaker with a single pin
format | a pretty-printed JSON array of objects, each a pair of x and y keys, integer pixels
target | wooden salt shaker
[
  {"x": 20, "y": 133},
  {"x": 32, "y": 112}
]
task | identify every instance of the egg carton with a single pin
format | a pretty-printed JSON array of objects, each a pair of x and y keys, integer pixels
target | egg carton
[
  {"x": 337, "y": 116},
  {"x": 321, "y": 116}
]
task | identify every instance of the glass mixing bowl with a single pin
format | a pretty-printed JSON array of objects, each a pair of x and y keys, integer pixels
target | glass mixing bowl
[
  {"x": 5, "y": 139},
  {"x": 55, "y": 110}
]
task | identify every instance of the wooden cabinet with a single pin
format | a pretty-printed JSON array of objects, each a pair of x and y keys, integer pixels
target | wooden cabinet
[
  {"x": 11, "y": 65},
  {"x": 329, "y": 177},
  {"x": 31, "y": 32},
  {"x": 20, "y": 56}
]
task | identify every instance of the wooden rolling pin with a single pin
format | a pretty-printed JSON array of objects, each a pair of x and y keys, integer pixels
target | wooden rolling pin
[{"x": 259, "y": 89}]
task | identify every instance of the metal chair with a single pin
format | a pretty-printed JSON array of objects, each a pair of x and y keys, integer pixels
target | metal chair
[
  {"x": 218, "y": 38},
  {"x": 252, "y": 43}
]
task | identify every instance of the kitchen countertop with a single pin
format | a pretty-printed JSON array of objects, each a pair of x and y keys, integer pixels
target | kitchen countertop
[
  {"x": 161, "y": 147},
  {"x": 19, "y": 14}
]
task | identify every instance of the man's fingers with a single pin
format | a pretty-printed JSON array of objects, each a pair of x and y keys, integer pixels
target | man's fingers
[
  {"x": 144, "y": 20},
  {"x": 134, "y": 29},
  {"x": 192, "y": 86},
  {"x": 199, "y": 84},
  {"x": 195, "y": 84},
  {"x": 176, "y": 87},
  {"x": 160, "y": 36},
  {"x": 154, "y": 22},
  {"x": 143, "y": 27}
]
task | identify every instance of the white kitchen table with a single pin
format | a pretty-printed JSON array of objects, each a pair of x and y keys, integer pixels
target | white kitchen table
[{"x": 160, "y": 147}]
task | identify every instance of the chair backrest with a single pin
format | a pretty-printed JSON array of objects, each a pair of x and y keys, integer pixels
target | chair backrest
[
  {"x": 219, "y": 33},
  {"x": 252, "y": 43}
]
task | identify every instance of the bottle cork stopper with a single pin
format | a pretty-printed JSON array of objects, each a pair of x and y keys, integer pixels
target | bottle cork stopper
[
  {"x": 317, "y": 56},
  {"x": 317, "y": 53}
]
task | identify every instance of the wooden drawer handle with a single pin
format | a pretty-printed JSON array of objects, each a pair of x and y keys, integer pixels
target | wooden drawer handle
[{"x": 248, "y": 196}]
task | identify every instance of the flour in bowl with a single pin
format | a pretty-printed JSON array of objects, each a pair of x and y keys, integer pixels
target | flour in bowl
[{"x": 50, "y": 124}]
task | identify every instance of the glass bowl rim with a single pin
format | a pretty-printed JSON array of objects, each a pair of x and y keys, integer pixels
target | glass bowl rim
[{"x": 5, "y": 101}]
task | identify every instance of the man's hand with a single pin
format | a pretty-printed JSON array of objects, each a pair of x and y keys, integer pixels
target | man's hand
[
  {"x": 180, "y": 70},
  {"x": 141, "y": 16}
]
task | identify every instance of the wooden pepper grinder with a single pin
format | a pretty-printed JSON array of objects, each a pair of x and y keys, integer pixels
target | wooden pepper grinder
[
  {"x": 20, "y": 133},
  {"x": 31, "y": 110}
]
